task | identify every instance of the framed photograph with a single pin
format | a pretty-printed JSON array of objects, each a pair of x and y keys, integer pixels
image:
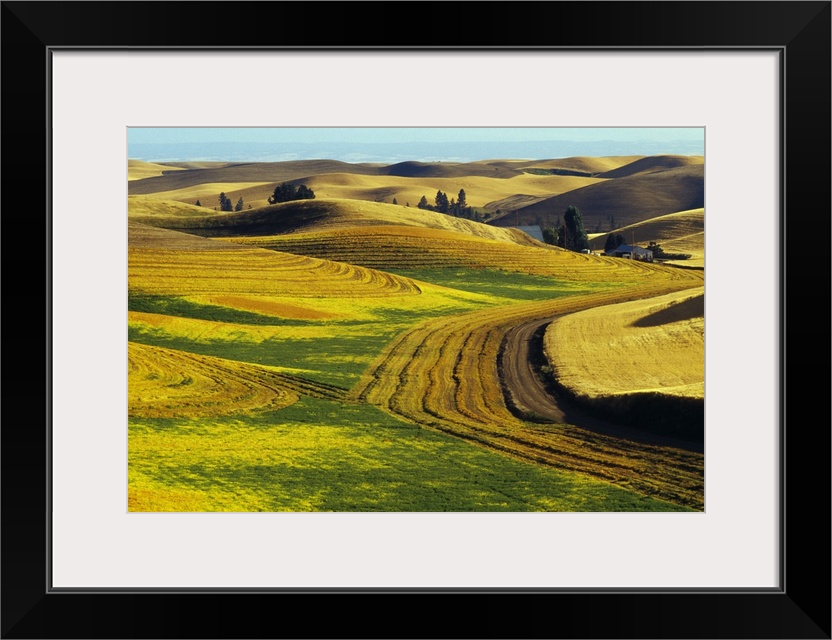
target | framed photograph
[{"x": 106, "y": 512}]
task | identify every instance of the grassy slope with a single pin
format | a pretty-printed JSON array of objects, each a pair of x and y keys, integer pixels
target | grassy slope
[{"x": 320, "y": 455}]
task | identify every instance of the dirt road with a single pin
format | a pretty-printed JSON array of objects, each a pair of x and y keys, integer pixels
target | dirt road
[{"x": 528, "y": 397}]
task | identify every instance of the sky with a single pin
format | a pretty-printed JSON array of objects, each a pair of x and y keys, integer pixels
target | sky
[{"x": 360, "y": 144}]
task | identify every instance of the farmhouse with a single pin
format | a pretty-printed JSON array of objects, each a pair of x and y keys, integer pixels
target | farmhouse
[{"x": 629, "y": 250}]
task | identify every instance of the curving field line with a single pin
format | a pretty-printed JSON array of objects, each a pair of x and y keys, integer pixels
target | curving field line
[
  {"x": 164, "y": 262},
  {"x": 390, "y": 247},
  {"x": 444, "y": 374},
  {"x": 167, "y": 383}
]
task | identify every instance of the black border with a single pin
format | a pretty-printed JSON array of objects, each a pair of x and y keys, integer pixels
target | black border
[{"x": 800, "y": 31}]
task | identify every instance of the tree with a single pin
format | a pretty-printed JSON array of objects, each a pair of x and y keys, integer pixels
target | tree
[
  {"x": 442, "y": 203},
  {"x": 576, "y": 239},
  {"x": 304, "y": 193},
  {"x": 239, "y": 205},
  {"x": 423, "y": 203},
  {"x": 619, "y": 239},
  {"x": 395, "y": 201},
  {"x": 610, "y": 244},
  {"x": 461, "y": 201},
  {"x": 550, "y": 235},
  {"x": 198, "y": 203},
  {"x": 225, "y": 202}
]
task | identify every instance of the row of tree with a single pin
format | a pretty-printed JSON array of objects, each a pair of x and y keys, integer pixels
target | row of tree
[
  {"x": 285, "y": 192},
  {"x": 457, "y": 207},
  {"x": 225, "y": 203}
]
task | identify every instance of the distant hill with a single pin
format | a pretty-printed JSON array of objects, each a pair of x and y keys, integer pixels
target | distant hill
[
  {"x": 629, "y": 200},
  {"x": 582, "y": 164},
  {"x": 651, "y": 164},
  {"x": 414, "y": 169},
  {"x": 246, "y": 172},
  {"x": 139, "y": 170}
]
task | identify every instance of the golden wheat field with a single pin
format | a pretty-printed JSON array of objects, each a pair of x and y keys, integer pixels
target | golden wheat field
[
  {"x": 626, "y": 361},
  {"x": 345, "y": 353}
]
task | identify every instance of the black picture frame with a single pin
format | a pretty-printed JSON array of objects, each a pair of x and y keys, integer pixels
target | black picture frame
[{"x": 800, "y": 608}]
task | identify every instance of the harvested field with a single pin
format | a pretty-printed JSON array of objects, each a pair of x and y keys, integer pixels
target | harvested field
[
  {"x": 443, "y": 374},
  {"x": 347, "y": 354},
  {"x": 165, "y": 383},
  {"x": 162, "y": 262},
  {"x": 393, "y": 247}
]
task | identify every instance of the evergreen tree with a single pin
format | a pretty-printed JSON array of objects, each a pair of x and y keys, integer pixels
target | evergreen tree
[
  {"x": 423, "y": 203},
  {"x": 239, "y": 205},
  {"x": 225, "y": 202},
  {"x": 550, "y": 235},
  {"x": 610, "y": 244},
  {"x": 198, "y": 203},
  {"x": 442, "y": 203},
  {"x": 461, "y": 200},
  {"x": 576, "y": 239},
  {"x": 395, "y": 201}
]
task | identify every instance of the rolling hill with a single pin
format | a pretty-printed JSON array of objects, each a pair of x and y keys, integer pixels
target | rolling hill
[
  {"x": 630, "y": 199},
  {"x": 682, "y": 232},
  {"x": 139, "y": 170},
  {"x": 323, "y": 214},
  {"x": 651, "y": 164}
]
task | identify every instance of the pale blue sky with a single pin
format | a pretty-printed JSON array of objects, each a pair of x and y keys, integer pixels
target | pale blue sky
[
  {"x": 407, "y": 134},
  {"x": 363, "y": 144}
]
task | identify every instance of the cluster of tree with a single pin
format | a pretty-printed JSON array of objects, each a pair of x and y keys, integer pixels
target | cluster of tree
[
  {"x": 569, "y": 235},
  {"x": 225, "y": 203},
  {"x": 457, "y": 207},
  {"x": 658, "y": 252},
  {"x": 613, "y": 242},
  {"x": 287, "y": 192}
]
